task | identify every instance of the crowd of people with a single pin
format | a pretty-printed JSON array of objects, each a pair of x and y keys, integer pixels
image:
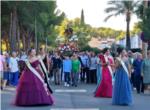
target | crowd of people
[{"x": 116, "y": 76}]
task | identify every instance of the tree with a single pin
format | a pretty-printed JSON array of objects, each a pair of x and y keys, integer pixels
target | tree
[
  {"x": 82, "y": 17},
  {"x": 23, "y": 20},
  {"x": 126, "y": 8},
  {"x": 136, "y": 29},
  {"x": 143, "y": 13}
]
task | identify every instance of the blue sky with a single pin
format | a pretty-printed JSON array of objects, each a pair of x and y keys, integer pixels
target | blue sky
[{"x": 94, "y": 13}]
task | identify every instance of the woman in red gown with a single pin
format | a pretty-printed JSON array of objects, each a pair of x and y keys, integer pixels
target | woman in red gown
[
  {"x": 105, "y": 87},
  {"x": 32, "y": 89}
]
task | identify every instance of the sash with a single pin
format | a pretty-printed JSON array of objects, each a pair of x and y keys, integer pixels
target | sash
[
  {"x": 109, "y": 67},
  {"x": 43, "y": 65},
  {"x": 35, "y": 72},
  {"x": 123, "y": 65},
  {"x": 45, "y": 73}
]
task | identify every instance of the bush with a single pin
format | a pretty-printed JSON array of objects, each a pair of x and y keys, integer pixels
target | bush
[{"x": 88, "y": 48}]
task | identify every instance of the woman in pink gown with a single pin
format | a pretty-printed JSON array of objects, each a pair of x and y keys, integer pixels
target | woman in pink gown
[
  {"x": 31, "y": 89},
  {"x": 105, "y": 87}
]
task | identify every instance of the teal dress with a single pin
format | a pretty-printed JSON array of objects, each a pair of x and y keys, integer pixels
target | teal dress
[
  {"x": 98, "y": 72},
  {"x": 146, "y": 71}
]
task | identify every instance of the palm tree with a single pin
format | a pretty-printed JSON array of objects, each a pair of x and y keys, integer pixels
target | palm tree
[{"x": 126, "y": 8}]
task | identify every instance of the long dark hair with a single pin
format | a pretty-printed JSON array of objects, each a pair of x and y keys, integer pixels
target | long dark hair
[
  {"x": 30, "y": 50},
  {"x": 119, "y": 50},
  {"x": 105, "y": 50}
]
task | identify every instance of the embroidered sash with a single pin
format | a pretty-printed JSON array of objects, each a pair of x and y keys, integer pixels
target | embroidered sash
[
  {"x": 123, "y": 65},
  {"x": 109, "y": 67},
  {"x": 34, "y": 72}
]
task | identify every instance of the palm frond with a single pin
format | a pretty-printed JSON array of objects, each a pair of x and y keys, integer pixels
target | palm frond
[
  {"x": 109, "y": 16},
  {"x": 110, "y": 9}
]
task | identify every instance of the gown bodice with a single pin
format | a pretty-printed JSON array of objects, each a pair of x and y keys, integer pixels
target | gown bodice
[{"x": 35, "y": 63}]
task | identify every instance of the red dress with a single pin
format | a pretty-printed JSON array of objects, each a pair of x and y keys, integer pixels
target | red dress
[{"x": 105, "y": 87}]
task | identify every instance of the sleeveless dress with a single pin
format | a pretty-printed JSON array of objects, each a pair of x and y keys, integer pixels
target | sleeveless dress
[
  {"x": 105, "y": 87},
  {"x": 30, "y": 90},
  {"x": 122, "y": 92}
]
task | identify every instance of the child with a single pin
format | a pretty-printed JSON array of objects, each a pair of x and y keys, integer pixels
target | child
[
  {"x": 67, "y": 66},
  {"x": 75, "y": 69}
]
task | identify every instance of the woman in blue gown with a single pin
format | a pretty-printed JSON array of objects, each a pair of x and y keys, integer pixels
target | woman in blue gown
[
  {"x": 99, "y": 69},
  {"x": 122, "y": 92}
]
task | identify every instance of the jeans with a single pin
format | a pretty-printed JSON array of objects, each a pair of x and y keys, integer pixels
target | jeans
[
  {"x": 85, "y": 72},
  {"x": 14, "y": 77},
  {"x": 93, "y": 77},
  {"x": 67, "y": 77},
  {"x": 57, "y": 75},
  {"x": 137, "y": 82},
  {"x": 75, "y": 76}
]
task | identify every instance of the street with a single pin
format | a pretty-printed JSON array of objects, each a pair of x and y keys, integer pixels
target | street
[{"x": 76, "y": 98}]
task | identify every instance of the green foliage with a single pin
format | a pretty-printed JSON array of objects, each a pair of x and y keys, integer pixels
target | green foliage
[
  {"x": 136, "y": 28},
  {"x": 143, "y": 13},
  {"x": 88, "y": 48},
  {"x": 123, "y": 7},
  {"x": 41, "y": 15},
  {"x": 86, "y": 32},
  {"x": 82, "y": 18},
  {"x": 146, "y": 24}
]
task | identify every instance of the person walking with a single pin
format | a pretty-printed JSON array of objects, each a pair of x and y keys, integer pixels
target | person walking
[
  {"x": 32, "y": 90},
  {"x": 57, "y": 62},
  {"x": 105, "y": 87},
  {"x": 146, "y": 71},
  {"x": 6, "y": 70},
  {"x": 2, "y": 63},
  {"x": 85, "y": 69},
  {"x": 99, "y": 69},
  {"x": 93, "y": 64},
  {"x": 14, "y": 69},
  {"x": 67, "y": 67},
  {"x": 122, "y": 91},
  {"x": 75, "y": 69},
  {"x": 137, "y": 63}
]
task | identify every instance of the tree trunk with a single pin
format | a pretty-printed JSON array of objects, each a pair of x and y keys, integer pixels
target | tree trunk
[
  {"x": 10, "y": 33},
  {"x": 18, "y": 34},
  {"x": 128, "y": 43},
  {"x": 35, "y": 38},
  {"x": 18, "y": 39},
  {"x": 29, "y": 39},
  {"x": 145, "y": 45},
  {"x": 24, "y": 41},
  {"x": 14, "y": 29}
]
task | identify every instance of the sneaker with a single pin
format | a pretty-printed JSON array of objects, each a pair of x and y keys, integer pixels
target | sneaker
[
  {"x": 65, "y": 84},
  {"x": 68, "y": 85}
]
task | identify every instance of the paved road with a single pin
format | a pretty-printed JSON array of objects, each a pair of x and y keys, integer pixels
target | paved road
[{"x": 67, "y": 98}]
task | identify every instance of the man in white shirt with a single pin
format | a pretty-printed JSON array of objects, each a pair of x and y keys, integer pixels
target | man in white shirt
[
  {"x": 14, "y": 70},
  {"x": 85, "y": 69}
]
